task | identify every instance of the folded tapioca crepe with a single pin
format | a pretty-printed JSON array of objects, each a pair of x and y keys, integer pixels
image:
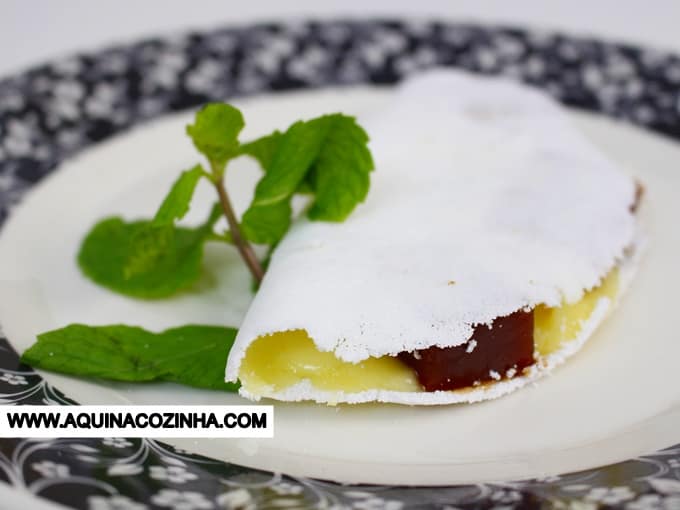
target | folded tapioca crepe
[{"x": 494, "y": 239}]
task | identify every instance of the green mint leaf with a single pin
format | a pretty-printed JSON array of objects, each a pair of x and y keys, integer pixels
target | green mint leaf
[
  {"x": 215, "y": 132},
  {"x": 327, "y": 155},
  {"x": 189, "y": 355},
  {"x": 340, "y": 177},
  {"x": 267, "y": 219},
  {"x": 150, "y": 244},
  {"x": 263, "y": 149},
  {"x": 147, "y": 247},
  {"x": 267, "y": 224},
  {"x": 176, "y": 203},
  {"x": 140, "y": 260}
]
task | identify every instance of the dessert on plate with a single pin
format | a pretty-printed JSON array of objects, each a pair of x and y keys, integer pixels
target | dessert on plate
[{"x": 494, "y": 240}]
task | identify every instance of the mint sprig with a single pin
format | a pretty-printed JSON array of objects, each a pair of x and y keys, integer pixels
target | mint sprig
[
  {"x": 215, "y": 132},
  {"x": 263, "y": 149},
  {"x": 190, "y": 355},
  {"x": 326, "y": 158},
  {"x": 141, "y": 260},
  {"x": 176, "y": 204}
]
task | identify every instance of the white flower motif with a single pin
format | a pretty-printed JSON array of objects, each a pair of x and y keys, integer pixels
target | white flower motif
[
  {"x": 67, "y": 67},
  {"x": 237, "y": 499},
  {"x": 671, "y": 503},
  {"x": 221, "y": 42},
  {"x": 486, "y": 58},
  {"x": 610, "y": 495},
  {"x": 50, "y": 469},
  {"x": 582, "y": 505},
  {"x": 68, "y": 90},
  {"x": 646, "y": 502},
  {"x": 286, "y": 489},
  {"x": 63, "y": 109},
  {"x": 41, "y": 84},
  {"x": 358, "y": 494},
  {"x": 376, "y": 503},
  {"x": 70, "y": 138},
  {"x": 115, "y": 502},
  {"x": 534, "y": 67},
  {"x": 249, "y": 82},
  {"x": 165, "y": 72},
  {"x": 456, "y": 36},
  {"x": 644, "y": 114},
  {"x": 335, "y": 33},
  {"x": 102, "y": 101},
  {"x": 116, "y": 442},
  {"x": 373, "y": 54},
  {"x": 7, "y": 181},
  {"x": 673, "y": 73},
  {"x": 112, "y": 62},
  {"x": 506, "y": 496},
  {"x": 667, "y": 486},
  {"x": 281, "y": 46},
  {"x": 12, "y": 101},
  {"x": 592, "y": 76},
  {"x": 508, "y": 46},
  {"x": 266, "y": 60},
  {"x": 548, "y": 479},
  {"x": 173, "y": 474},
  {"x": 390, "y": 41},
  {"x": 308, "y": 64},
  {"x": 420, "y": 59},
  {"x": 285, "y": 503},
  {"x": 17, "y": 147},
  {"x": 20, "y": 129},
  {"x": 569, "y": 51},
  {"x": 13, "y": 379},
  {"x": 369, "y": 501},
  {"x": 181, "y": 500},
  {"x": 618, "y": 66},
  {"x": 654, "y": 502}
]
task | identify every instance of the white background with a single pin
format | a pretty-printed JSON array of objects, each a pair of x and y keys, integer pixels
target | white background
[{"x": 32, "y": 31}]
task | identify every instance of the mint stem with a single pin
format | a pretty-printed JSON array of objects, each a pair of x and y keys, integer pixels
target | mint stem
[{"x": 244, "y": 248}]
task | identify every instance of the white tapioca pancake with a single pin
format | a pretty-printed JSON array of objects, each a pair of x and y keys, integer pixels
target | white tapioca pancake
[{"x": 485, "y": 201}]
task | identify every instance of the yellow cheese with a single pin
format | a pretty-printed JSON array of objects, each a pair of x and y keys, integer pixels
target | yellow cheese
[
  {"x": 554, "y": 326},
  {"x": 276, "y": 362}
]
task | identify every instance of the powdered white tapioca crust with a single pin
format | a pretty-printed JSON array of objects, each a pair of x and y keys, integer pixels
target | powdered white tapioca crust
[
  {"x": 305, "y": 391},
  {"x": 478, "y": 181}
]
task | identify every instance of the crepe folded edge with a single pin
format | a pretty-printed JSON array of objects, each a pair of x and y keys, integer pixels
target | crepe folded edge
[{"x": 304, "y": 391}]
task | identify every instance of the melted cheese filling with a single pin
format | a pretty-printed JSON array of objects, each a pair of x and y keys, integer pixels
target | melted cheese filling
[
  {"x": 275, "y": 362},
  {"x": 558, "y": 325}
]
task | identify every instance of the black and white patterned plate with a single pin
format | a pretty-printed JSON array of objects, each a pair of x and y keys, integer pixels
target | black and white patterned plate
[{"x": 51, "y": 112}]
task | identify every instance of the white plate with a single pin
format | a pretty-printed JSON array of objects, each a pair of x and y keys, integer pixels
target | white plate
[{"x": 616, "y": 399}]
